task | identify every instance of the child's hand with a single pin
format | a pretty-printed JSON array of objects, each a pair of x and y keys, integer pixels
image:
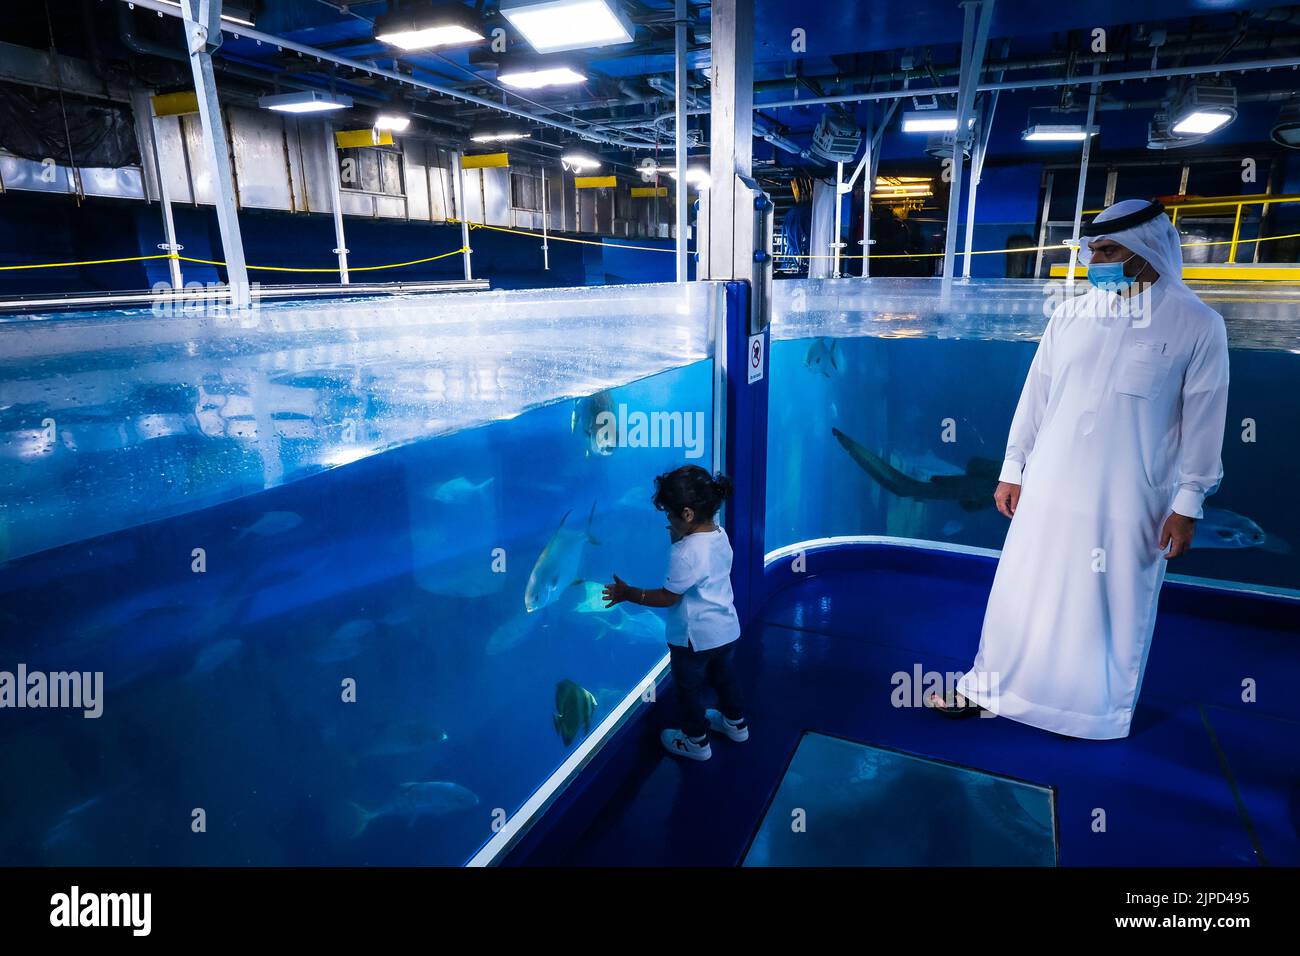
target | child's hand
[{"x": 616, "y": 592}]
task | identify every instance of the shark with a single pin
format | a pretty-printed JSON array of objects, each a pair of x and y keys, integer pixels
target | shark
[{"x": 972, "y": 489}]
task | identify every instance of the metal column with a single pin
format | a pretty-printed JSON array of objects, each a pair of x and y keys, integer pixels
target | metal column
[
  {"x": 977, "y": 170},
  {"x": 546, "y": 215},
  {"x": 838, "y": 239},
  {"x": 727, "y": 249},
  {"x": 202, "y": 36},
  {"x": 336, "y": 200},
  {"x": 1042, "y": 229},
  {"x": 1083, "y": 181},
  {"x": 975, "y": 34},
  {"x": 679, "y": 124},
  {"x": 458, "y": 193}
]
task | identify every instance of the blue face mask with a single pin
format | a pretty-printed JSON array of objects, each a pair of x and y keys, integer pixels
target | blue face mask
[{"x": 1109, "y": 276}]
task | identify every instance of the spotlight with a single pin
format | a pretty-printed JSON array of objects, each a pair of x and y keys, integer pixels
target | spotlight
[
  {"x": 1286, "y": 132},
  {"x": 499, "y": 136},
  {"x": 390, "y": 122},
  {"x": 578, "y": 160},
  {"x": 534, "y": 75},
  {"x": 1203, "y": 108}
]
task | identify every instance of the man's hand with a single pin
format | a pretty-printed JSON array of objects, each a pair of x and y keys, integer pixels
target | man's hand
[
  {"x": 1007, "y": 496},
  {"x": 1176, "y": 536}
]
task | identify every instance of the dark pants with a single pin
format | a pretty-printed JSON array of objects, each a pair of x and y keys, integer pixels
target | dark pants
[{"x": 692, "y": 670}]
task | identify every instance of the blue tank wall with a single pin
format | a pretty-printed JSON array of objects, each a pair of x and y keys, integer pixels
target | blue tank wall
[{"x": 37, "y": 228}]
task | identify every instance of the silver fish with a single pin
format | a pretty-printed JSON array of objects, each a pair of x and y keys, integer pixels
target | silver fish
[
  {"x": 557, "y": 566},
  {"x": 457, "y": 490},
  {"x": 415, "y": 801},
  {"x": 271, "y": 523},
  {"x": 824, "y": 357},
  {"x": 1220, "y": 528},
  {"x": 593, "y": 419}
]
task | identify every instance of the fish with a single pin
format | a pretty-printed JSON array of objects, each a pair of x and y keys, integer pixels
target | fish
[
  {"x": 345, "y": 643},
  {"x": 972, "y": 489},
  {"x": 272, "y": 523},
  {"x": 593, "y": 599},
  {"x": 1220, "y": 528},
  {"x": 593, "y": 419},
  {"x": 457, "y": 490},
  {"x": 824, "y": 357},
  {"x": 574, "y": 706},
  {"x": 402, "y": 737},
  {"x": 215, "y": 656},
  {"x": 557, "y": 566},
  {"x": 951, "y": 528},
  {"x": 642, "y": 626},
  {"x": 512, "y": 633},
  {"x": 416, "y": 801}
]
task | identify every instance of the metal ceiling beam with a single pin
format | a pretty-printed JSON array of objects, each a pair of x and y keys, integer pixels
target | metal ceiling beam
[{"x": 409, "y": 80}]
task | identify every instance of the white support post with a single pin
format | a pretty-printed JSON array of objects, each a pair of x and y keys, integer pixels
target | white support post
[
  {"x": 458, "y": 192},
  {"x": 170, "y": 245},
  {"x": 837, "y": 240},
  {"x": 679, "y": 147},
  {"x": 727, "y": 250},
  {"x": 202, "y": 36},
  {"x": 1083, "y": 181},
  {"x": 336, "y": 201},
  {"x": 975, "y": 33},
  {"x": 546, "y": 215}
]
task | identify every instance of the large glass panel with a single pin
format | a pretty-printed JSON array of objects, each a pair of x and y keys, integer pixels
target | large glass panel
[
  {"x": 882, "y": 376},
  {"x": 337, "y": 564},
  {"x": 867, "y": 806}
]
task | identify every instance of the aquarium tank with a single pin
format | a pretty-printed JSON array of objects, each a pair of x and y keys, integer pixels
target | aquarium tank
[
  {"x": 891, "y": 402},
  {"x": 337, "y": 565}
]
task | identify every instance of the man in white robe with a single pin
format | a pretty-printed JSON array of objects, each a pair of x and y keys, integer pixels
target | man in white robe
[{"x": 1115, "y": 444}]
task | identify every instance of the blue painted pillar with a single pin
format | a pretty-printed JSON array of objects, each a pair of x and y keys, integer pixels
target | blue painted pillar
[{"x": 745, "y": 455}]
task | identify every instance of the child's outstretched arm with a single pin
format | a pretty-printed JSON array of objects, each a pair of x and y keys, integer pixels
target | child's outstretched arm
[{"x": 620, "y": 590}]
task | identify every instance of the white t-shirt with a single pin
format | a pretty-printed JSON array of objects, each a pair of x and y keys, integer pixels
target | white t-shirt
[{"x": 699, "y": 569}]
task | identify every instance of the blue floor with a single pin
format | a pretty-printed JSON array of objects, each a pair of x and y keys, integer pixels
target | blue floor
[{"x": 1203, "y": 778}]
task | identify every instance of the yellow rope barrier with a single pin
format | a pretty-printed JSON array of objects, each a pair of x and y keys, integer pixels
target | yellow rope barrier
[
  {"x": 585, "y": 242},
  {"x": 221, "y": 262}
]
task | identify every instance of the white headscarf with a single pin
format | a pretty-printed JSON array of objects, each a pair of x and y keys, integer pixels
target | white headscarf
[{"x": 1156, "y": 240}]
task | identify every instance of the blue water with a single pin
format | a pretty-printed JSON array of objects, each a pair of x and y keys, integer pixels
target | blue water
[
  {"x": 225, "y": 689},
  {"x": 930, "y": 405}
]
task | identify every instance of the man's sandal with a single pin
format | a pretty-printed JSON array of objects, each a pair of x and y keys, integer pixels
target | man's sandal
[{"x": 950, "y": 708}]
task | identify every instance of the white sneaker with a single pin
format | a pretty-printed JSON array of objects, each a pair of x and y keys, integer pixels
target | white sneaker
[
  {"x": 737, "y": 730},
  {"x": 678, "y": 744}
]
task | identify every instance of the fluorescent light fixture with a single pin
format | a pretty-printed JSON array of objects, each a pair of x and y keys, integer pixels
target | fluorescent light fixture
[
  {"x": 535, "y": 77},
  {"x": 579, "y": 160},
  {"x": 391, "y": 122},
  {"x": 1286, "y": 132},
  {"x": 1202, "y": 122},
  {"x": 1061, "y": 133},
  {"x": 234, "y": 16},
  {"x": 552, "y": 26},
  {"x": 504, "y": 136},
  {"x": 305, "y": 101},
  {"x": 932, "y": 121},
  {"x": 417, "y": 26}
]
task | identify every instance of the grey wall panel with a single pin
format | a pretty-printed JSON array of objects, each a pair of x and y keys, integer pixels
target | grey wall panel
[
  {"x": 124, "y": 183},
  {"x": 171, "y": 155},
  {"x": 440, "y": 187},
  {"x": 358, "y": 204},
  {"x": 586, "y": 210},
  {"x": 416, "y": 177},
  {"x": 496, "y": 196},
  {"x": 390, "y": 207},
  {"x": 257, "y": 144},
  {"x": 200, "y": 170},
  {"x": 28, "y": 174},
  {"x": 315, "y": 152},
  {"x": 472, "y": 194}
]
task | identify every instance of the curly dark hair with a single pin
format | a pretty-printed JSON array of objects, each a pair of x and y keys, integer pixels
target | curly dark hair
[{"x": 690, "y": 486}]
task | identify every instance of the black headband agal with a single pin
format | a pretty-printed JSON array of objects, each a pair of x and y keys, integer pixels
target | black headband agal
[
  {"x": 1114, "y": 225},
  {"x": 1111, "y": 226}
]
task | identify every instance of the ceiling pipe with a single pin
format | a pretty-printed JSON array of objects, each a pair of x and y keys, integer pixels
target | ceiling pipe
[
  {"x": 1281, "y": 63},
  {"x": 1167, "y": 50},
  {"x": 410, "y": 80},
  {"x": 143, "y": 47}
]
